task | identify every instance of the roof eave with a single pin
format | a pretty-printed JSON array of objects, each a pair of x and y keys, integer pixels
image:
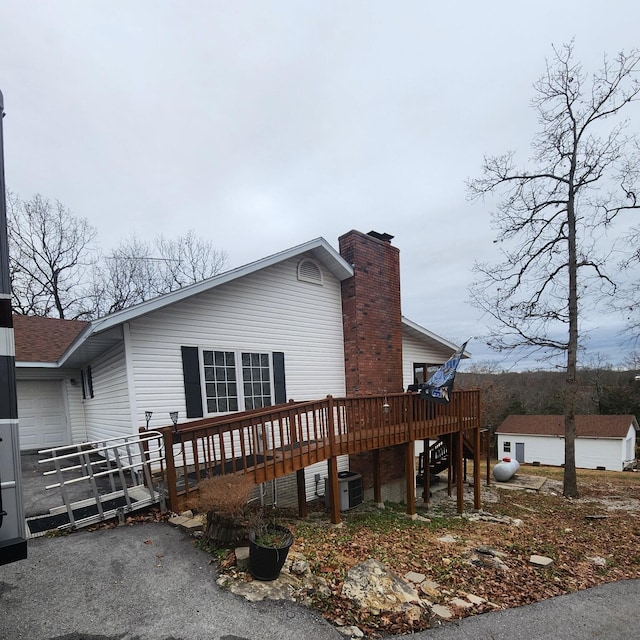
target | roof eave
[{"x": 433, "y": 336}]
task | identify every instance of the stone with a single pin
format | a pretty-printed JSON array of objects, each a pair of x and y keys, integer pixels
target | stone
[
  {"x": 351, "y": 632},
  {"x": 460, "y": 603},
  {"x": 300, "y": 568},
  {"x": 192, "y": 525},
  {"x": 447, "y": 539},
  {"x": 430, "y": 588},
  {"x": 372, "y": 586},
  {"x": 242, "y": 558},
  {"x": 412, "y": 613},
  {"x": 442, "y": 612},
  {"x": 178, "y": 521},
  {"x": 598, "y": 561},
  {"x": 414, "y": 577},
  {"x": 491, "y": 552},
  {"x": 486, "y": 557},
  {"x": 187, "y": 514},
  {"x": 540, "y": 561},
  {"x": 255, "y": 591},
  {"x": 473, "y": 599}
]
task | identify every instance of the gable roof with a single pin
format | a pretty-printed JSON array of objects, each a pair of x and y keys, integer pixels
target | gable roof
[
  {"x": 77, "y": 343},
  {"x": 591, "y": 426},
  {"x": 44, "y": 340}
]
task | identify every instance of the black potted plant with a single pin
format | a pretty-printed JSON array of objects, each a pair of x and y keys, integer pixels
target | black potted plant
[{"x": 269, "y": 545}]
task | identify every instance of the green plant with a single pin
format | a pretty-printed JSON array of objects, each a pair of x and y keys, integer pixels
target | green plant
[{"x": 263, "y": 522}]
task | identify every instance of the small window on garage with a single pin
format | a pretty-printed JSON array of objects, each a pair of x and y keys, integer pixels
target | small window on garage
[
  {"x": 87, "y": 383},
  {"x": 506, "y": 447},
  {"x": 310, "y": 271}
]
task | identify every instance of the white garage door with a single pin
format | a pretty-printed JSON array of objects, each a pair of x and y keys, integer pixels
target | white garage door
[{"x": 42, "y": 417}]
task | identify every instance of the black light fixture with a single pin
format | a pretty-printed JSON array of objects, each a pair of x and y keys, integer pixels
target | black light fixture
[
  {"x": 147, "y": 417},
  {"x": 174, "y": 418}
]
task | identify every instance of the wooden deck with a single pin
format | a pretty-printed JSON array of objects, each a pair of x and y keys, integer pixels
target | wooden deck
[{"x": 274, "y": 442}]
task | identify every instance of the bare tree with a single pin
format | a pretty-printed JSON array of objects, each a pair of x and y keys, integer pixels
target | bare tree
[
  {"x": 50, "y": 251},
  {"x": 137, "y": 271},
  {"x": 187, "y": 259},
  {"x": 583, "y": 173}
]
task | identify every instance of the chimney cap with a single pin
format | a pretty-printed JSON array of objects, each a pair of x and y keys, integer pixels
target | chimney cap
[{"x": 385, "y": 237}]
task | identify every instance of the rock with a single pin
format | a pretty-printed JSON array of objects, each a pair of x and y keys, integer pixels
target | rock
[
  {"x": 242, "y": 558},
  {"x": 430, "y": 588},
  {"x": 597, "y": 560},
  {"x": 372, "y": 586},
  {"x": 487, "y": 557},
  {"x": 300, "y": 568},
  {"x": 414, "y": 577},
  {"x": 412, "y": 613},
  {"x": 540, "y": 561},
  {"x": 460, "y": 603},
  {"x": 490, "y": 552},
  {"x": 256, "y": 590},
  {"x": 447, "y": 539},
  {"x": 351, "y": 632},
  {"x": 473, "y": 599},
  {"x": 441, "y": 612}
]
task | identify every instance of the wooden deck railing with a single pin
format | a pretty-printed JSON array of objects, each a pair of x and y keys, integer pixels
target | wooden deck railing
[{"x": 273, "y": 442}]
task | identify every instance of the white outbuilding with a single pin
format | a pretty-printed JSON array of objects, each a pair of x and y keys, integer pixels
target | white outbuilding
[{"x": 602, "y": 442}]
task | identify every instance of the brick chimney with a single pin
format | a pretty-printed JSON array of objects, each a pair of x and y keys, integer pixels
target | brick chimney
[{"x": 371, "y": 314}]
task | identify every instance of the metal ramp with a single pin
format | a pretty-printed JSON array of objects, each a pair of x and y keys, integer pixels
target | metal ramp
[{"x": 101, "y": 480}]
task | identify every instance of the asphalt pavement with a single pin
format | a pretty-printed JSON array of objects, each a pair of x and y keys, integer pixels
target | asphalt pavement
[{"x": 150, "y": 582}]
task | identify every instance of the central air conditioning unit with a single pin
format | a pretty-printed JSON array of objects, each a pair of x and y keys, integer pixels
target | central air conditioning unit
[{"x": 349, "y": 490}]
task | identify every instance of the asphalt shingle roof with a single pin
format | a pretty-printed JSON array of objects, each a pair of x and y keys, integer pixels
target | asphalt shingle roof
[
  {"x": 592, "y": 426},
  {"x": 43, "y": 339}
]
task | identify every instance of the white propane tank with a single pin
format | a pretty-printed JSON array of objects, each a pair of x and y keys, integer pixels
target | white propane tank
[{"x": 505, "y": 470}]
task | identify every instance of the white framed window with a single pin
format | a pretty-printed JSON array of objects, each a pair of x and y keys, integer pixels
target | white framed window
[
  {"x": 506, "y": 447},
  {"x": 236, "y": 381}
]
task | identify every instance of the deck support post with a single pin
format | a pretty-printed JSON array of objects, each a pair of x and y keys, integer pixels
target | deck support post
[
  {"x": 488, "y": 445},
  {"x": 410, "y": 476},
  {"x": 477, "y": 500},
  {"x": 452, "y": 458},
  {"x": 334, "y": 491},
  {"x": 377, "y": 478},
  {"x": 426, "y": 473},
  {"x": 303, "y": 509},
  {"x": 459, "y": 476},
  {"x": 167, "y": 436}
]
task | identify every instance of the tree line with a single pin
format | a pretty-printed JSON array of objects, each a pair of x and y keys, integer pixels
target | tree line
[
  {"x": 57, "y": 268},
  {"x": 600, "y": 392}
]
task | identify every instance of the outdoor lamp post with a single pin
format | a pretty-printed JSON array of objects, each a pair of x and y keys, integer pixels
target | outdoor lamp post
[
  {"x": 174, "y": 418},
  {"x": 147, "y": 417}
]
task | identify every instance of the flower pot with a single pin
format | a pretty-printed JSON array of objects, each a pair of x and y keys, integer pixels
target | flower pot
[{"x": 265, "y": 562}]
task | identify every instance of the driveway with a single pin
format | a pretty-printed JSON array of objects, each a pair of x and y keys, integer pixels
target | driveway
[{"x": 150, "y": 582}]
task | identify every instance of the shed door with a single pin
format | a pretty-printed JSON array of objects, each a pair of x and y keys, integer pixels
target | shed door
[
  {"x": 520, "y": 451},
  {"x": 42, "y": 417}
]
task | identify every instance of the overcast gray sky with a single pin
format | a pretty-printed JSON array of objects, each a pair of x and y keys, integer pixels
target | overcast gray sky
[{"x": 262, "y": 125}]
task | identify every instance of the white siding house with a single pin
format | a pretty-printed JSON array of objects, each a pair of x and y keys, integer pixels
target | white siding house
[
  {"x": 606, "y": 442},
  {"x": 254, "y": 336}
]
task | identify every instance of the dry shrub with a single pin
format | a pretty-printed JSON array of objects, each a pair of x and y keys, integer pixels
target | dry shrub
[
  {"x": 227, "y": 496},
  {"x": 225, "y": 501}
]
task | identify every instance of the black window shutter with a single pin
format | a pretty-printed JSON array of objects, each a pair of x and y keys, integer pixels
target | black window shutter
[
  {"x": 90, "y": 381},
  {"x": 192, "y": 385},
  {"x": 279, "y": 385}
]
